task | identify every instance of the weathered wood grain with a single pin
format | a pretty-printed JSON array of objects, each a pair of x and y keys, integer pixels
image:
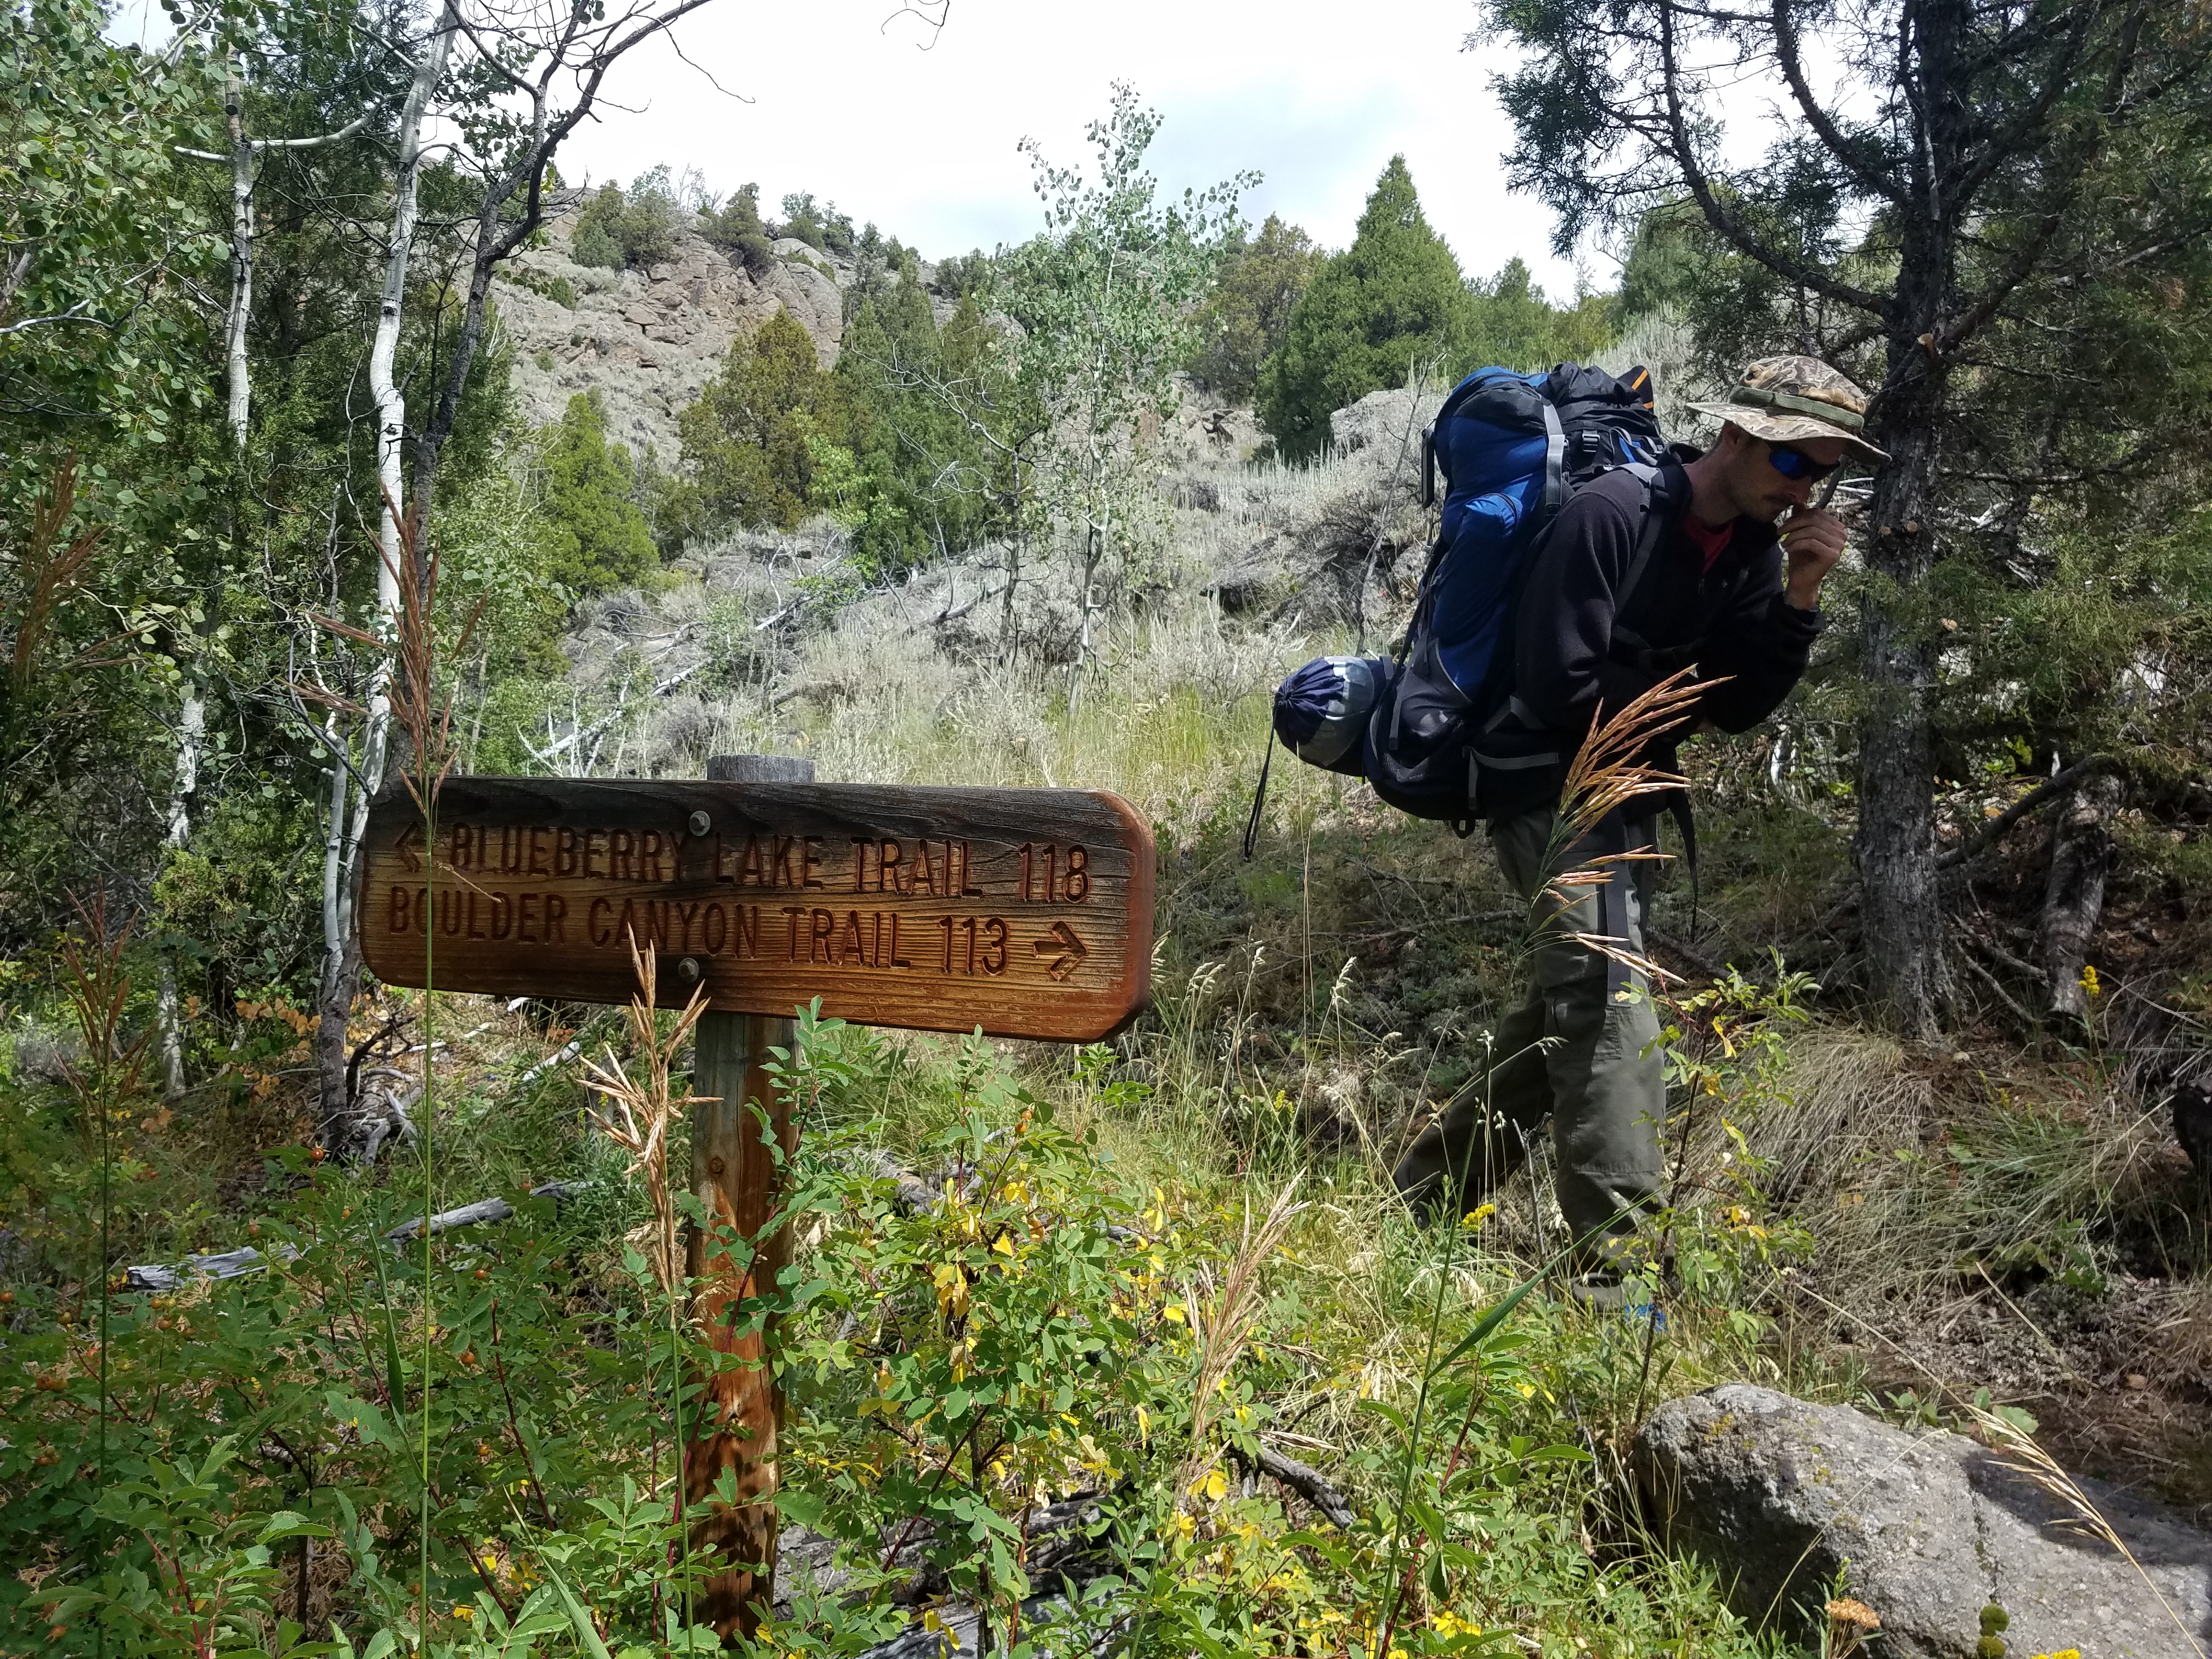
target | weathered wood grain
[{"x": 1026, "y": 912}]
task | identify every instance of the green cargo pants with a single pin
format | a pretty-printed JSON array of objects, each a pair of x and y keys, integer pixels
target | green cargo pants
[{"x": 1582, "y": 1050}]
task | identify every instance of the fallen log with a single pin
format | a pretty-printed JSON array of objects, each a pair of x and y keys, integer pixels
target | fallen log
[
  {"x": 2033, "y": 801},
  {"x": 484, "y": 1209},
  {"x": 164, "y": 1277},
  {"x": 1309, "y": 1482},
  {"x": 2082, "y": 853},
  {"x": 227, "y": 1264}
]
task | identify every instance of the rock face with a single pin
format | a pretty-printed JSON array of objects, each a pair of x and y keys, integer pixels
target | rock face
[
  {"x": 1778, "y": 1495},
  {"x": 648, "y": 340}
]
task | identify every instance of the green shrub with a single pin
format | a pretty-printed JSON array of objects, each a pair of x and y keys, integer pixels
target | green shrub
[
  {"x": 818, "y": 227},
  {"x": 617, "y": 231},
  {"x": 927, "y": 479},
  {"x": 737, "y": 228},
  {"x": 963, "y": 275},
  {"x": 559, "y": 290},
  {"x": 594, "y": 242},
  {"x": 747, "y": 441},
  {"x": 1510, "y": 322}
]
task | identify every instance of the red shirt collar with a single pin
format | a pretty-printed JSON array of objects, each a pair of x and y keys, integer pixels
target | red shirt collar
[{"x": 1710, "y": 542}]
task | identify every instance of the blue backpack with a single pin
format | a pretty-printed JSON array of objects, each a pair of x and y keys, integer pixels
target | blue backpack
[{"x": 1511, "y": 447}]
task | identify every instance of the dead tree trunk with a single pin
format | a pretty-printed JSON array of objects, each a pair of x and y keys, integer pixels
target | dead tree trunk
[{"x": 2081, "y": 856}]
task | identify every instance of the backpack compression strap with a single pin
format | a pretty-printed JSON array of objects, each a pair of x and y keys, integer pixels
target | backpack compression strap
[{"x": 1555, "y": 459}]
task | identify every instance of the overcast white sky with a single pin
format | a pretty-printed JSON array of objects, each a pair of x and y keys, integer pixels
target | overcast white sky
[{"x": 844, "y": 103}]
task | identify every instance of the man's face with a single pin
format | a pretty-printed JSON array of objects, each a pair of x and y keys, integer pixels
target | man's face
[{"x": 1760, "y": 489}]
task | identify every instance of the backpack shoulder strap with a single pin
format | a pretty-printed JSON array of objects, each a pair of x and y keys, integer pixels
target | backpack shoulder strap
[{"x": 1651, "y": 531}]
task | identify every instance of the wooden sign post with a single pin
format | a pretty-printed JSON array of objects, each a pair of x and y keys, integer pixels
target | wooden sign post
[
  {"x": 1025, "y": 912},
  {"x": 733, "y": 1173}
]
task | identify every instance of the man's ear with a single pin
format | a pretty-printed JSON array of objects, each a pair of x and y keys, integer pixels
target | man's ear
[{"x": 1733, "y": 441}]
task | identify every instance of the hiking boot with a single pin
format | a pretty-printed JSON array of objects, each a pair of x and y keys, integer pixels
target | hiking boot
[{"x": 1609, "y": 1293}]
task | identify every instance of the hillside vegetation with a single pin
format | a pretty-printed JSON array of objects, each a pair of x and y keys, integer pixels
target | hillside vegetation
[{"x": 1128, "y": 1345}]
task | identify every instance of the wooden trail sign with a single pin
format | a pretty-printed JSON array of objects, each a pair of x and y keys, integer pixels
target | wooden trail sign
[{"x": 1026, "y": 912}]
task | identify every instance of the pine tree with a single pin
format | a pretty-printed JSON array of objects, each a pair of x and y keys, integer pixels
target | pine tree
[
  {"x": 596, "y": 538},
  {"x": 745, "y": 442},
  {"x": 739, "y": 230},
  {"x": 1392, "y": 300},
  {"x": 1930, "y": 217},
  {"x": 1511, "y": 322}
]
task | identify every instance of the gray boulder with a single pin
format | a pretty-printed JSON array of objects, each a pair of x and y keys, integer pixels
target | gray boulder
[
  {"x": 1779, "y": 1496},
  {"x": 1387, "y": 424}
]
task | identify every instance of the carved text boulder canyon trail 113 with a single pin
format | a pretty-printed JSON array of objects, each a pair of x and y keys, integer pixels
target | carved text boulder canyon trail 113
[{"x": 1027, "y": 912}]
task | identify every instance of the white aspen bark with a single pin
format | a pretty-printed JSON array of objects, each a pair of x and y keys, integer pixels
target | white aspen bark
[
  {"x": 391, "y": 428},
  {"x": 191, "y": 716},
  {"x": 240, "y": 382},
  {"x": 334, "y": 913},
  {"x": 342, "y": 846},
  {"x": 191, "y": 739}
]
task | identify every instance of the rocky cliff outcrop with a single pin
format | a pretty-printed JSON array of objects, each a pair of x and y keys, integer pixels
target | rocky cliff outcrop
[{"x": 648, "y": 340}]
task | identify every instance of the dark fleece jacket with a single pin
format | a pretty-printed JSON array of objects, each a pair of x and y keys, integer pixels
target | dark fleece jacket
[{"x": 1730, "y": 622}]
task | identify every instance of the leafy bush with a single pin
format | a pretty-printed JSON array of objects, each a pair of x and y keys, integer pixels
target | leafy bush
[
  {"x": 616, "y": 231},
  {"x": 596, "y": 538},
  {"x": 559, "y": 290},
  {"x": 296, "y": 1407},
  {"x": 1392, "y": 305},
  {"x": 956, "y": 1361},
  {"x": 918, "y": 394},
  {"x": 818, "y": 227},
  {"x": 963, "y": 275},
  {"x": 1510, "y": 322},
  {"x": 593, "y": 242}
]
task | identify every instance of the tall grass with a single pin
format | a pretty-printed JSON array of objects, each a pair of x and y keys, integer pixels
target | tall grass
[
  {"x": 422, "y": 708},
  {"x": 641, "y": 1113}
]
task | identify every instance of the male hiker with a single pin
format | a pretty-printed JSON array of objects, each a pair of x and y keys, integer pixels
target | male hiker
[{"x": 1723, "y": 591}]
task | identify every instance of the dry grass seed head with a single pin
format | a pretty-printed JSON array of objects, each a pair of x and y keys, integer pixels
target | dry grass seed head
[
  {"x": 2018, "y": 1451},
  {"x": 641, "y": 1111},
  {"x": 1222, "y": 1318}
]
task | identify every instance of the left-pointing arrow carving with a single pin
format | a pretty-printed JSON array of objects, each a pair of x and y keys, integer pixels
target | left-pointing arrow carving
[
  {"x": 1060, "y": 941},
  {"x": 404, "y": 843}
]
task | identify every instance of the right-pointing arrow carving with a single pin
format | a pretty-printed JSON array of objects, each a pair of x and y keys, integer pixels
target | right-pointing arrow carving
[{"x": 1060, "y": 941}]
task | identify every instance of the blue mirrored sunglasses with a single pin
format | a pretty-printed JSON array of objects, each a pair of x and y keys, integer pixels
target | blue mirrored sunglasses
[{"x": 1796, "y": 463}]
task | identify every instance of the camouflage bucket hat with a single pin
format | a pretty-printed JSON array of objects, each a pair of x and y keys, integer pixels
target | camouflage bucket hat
[{"x": 1793, "y": 399}]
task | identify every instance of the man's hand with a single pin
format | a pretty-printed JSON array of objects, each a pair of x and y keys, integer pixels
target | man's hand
[{"x": 1814, "y": 539}]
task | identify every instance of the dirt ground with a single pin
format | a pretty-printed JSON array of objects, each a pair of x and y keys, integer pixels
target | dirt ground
[{"x": 2117, "y": 1382}]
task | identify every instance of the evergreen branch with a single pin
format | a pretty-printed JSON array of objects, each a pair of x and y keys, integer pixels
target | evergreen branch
[
  {"x": 1823, "y": 123},
  {"x": 1683, "y": 149}
]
